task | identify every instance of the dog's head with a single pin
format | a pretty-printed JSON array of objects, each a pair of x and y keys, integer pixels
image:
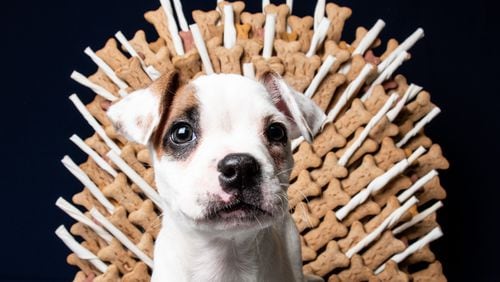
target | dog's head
[{"x": 220, "y": 144}]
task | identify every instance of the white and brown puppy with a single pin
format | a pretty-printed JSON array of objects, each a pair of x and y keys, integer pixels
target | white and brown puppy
[{"x": 221, "y": 152}]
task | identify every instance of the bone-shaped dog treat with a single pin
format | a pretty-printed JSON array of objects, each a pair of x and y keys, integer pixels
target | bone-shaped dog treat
[
  {"x": 300, "y": 70},
  {"x": 302, "y": 188},
  {"x": 120, "y": 221},
  {"x": 421, "y": 140},
  {"x": 388, "y": 154},
  {"x": 188, "y": 66},
  {"x": 285, "y": 49},
  {"x": 356, "y": 233},
  {"x": 420, "y": 107},
  {"x": 342, "y": 55},
  {"x": 149, "y": 177},
  {"x": 238, "y": 8},
  {"x": 230, "y": 59},
  {"x": 327, "y": 140},
  {"x": 156, "y": 56},
  {"x": 304, "y": 158},
  {"x": 98, "y": 175},
  {"x": 331, "y": 198},
  {"x": 158, "y": 19},
  {"x": 128, "y": 155},
  {"x": 357, "y": 271},
  {"x": 357, "y": 64},
  {"x": 423, "y": 255},
  {"x": 308, "y": 253},
  {"x": 331, "y": 259},
  {"x": 303, "y": 217},
  {"x": 328, "y": 229},
  {"x": 251, "y": 49},
  {"x": 383, "y": 249},
  {"x": 146, "y": 218},
  {"x": 101, "y": 79},
  {"x": 323, "y": 96},
  {"x": 402, "y": 84},
  {"x": 146, "y": 244},
  {"x": 243, "y": 31},
  {"x": 337, "y": 16},
  {"x": 118, "y": 256},
  {"x": 85, "y": 199},
  {"x": 392, "y": 188},
  {"x": 432, "y": 160},
  {"x": 133, "y": 74},
  {"x": 392, "y": 273},
  {"x": 141, "y": 46},
  {"x": 392, "y": 44},
  {"x": 272, "y": 64},
  {"x": 328, "y": 170},
  {"x": 376, "y": 100},
  {"x": 155, "y": 46},
  {"x": 281, "y": 12},
  {"x": 96, "y": 110},
  {"x": 432, "y": 190},
  {"x": 111, "y": 55},
  {"x": 138, "y": 274},
  {"x": 82, "y": 277},
  {"x": 302, "y": 27},
  {"x": 114, "y": 136},
  {"x": 368, "y": 146},
  {"x": 121, "y": 192},
  {"x": 434, "y": 272},
  {"x": 83, "y": 265},
  {"x": 256, "y": 21},
  {"x": 212, "y": 45},
  {"x": 368, "y": 208},
  {"x": 405, "y": 127},
  {"x": 92, "y": 242},
  {"x": 207, "y": 22},
  {"x": 144, "y": 157},
  {"x": 97, "y": 145},
  {"x": 355, "y": 117},
  {"x": 391, "y": 205},
  {"x": 361, "y": 176},
  {"x": 112, "y": 274},
  {"x": 422, "y": 228},
  {"x": 384, "y": 128}
]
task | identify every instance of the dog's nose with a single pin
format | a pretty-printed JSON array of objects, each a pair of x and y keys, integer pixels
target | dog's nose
[{"x": 238, "y": 171}]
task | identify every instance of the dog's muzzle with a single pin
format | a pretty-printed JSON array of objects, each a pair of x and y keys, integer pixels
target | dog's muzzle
[{"x": 238, "y": 172}]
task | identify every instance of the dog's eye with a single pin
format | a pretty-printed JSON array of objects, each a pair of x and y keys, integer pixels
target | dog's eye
[
  {"x": 276, "y": 132},
  {"x": 182, "y": 133}
]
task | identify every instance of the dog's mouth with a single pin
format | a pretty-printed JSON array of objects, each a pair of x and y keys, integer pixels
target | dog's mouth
[{"x": 236, "y": 210}]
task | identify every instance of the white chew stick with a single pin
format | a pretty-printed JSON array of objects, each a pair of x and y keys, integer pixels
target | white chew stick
[
  {"x": 318, "y": 36},
  {"x": 369, "y": 38},
  {"x": 418, "y": 218},
  {"x": 150, "y": 70},
  {"x": 93, "y": 123},
  {"x": 136, "y": 178},
  {"x": 87, "y": 182},
  {"x": 80, "y": 251},
  {"x": 322, "y": 72},
  {"x": 202, "y": 48},
  {"x": 99, "y": 90},
  {"x": 418, "y": 152},
  {"x": 386, "y": 74},
  {"x": 249, "y": 70},
  {"x": 410, "y": 92},
  {"x": 289, "y": 3},
  {"x": 319, "y": 13},
  {"x": 104, "y": 67},
  {"x": 121, "y": 237},
  {"x": 435, "y": 234},
  {"x": 405, "y": 46},
  {"x": 264, "y": 5},
  {"x": 296, "y": 142},
  {"x": 352, "y": 88},
  {"x": 269, "y": 31},
  {"x": 77, "y": 215},
  {"x": 417, "y": 185},
  {"x": 229, "y": 29},
  {"x": 172, "y": 27},
  {"x": 95, "y": 156},
  {"x": 419, "y": 126},
  {"x": 371, "y": 124},
  {"x": 388, "y": 223},
  {"x": 180, "y": 15}
]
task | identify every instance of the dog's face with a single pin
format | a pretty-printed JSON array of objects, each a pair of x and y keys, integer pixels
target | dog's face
[{"x": 220, "y": 145}]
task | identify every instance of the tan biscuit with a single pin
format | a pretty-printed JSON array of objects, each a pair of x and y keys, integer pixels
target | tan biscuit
[
  {"x": 251, "y": 49},
  {"x": 391, "y": 273},
  {"x": 434, "y": 272},
  {"x": 118, "y": 256},
  {"x": 337, "y": 16},
  {"x": 92, "y": 241},
  {"x": 120, "y": 221},
  {"x": 353, "y": 119},
  {"x": 308, "y": 253},
  {"x": 384, "y": 128},
  {"x": 368, "y": 208},
  {"x": 144, "y": 157},
  {"x": 303, "y": 217},
  {"x": 97, "y": 145},
  {"x": 420, "y": 140},
  {"x": 133, "y": 74},
  {"x": 281, "y": 13},
  {"x": 326, "y": 90},
  {"x": 284, "y": 48},
  {"x": 399, "y": 183},
  {"x": 433, "y": 159},
  {"x": 304, "y": 158},
  {"x": 331, "y": 198},
  {"x": 159, "y": 59},
  {"x": 101, "y": 79},
  {"x": 342, "y": 55},
  {"x": 422, "y": 228},
  {"x": 361, "y": 176},
  {"x": 158, "y": 19},
  {"x": 187, "y": 66},
  {"x": 383, "y": 249},
  {"x": 303, "y": 28},
  {"x": 376, "y": 100},
  {"x": 328, "y": 170},
  {"x": 238, "y": 8},
  {"x": 96, "y": 110},
  {"x": 368, "y": 146},
  {"x": 423, "y": 255},
  {"x": 85, "y": 199},
  {"x": 327, "y": 140},
  {"x": 388, "y": 154},
  {"x": 301, "y": 189},
  {"x": 357, "y": 271},
  {"x": 256, "y": 21},
  {"x": 149, "y": 177},
  {"x": 207, "y": 22},
  {"x": 111, "y": 55},
  {"x": 113, "y": 135},
  {"x": 405, "y": 127},
  {"x": 230, "y": 59},
  {"x": 392, "y": 44},
  {"x": 128, "y": 155},
  {"x": 121, "y": 192},
  {"x": 243, "y": 30},
  {"x": 140, "y": 273},
  {"x": 289, "y": 37},
  {"x": 402, "y": 84},
  {"x": 146, "y": 218},
  {"x": 158, "y": 44},
  {"x": 357, "y": 64},
  {"x": 212, "y": 45},
  {"x": 112, "y": 274},
  {"x": 420, "y": 107},
  {"x": 262, "y": 65},
  {"x": 82, "y": 277},
  {"x": 332, "y": 258},
  {"x": 356, "y": 234},
  {"x": 392, "y": 205},
  {"x": 432, "y": 190},
  {"x": 83, "y": 265},
  {"x": 327, "y": 230},
  {"x": 100, "y": 177},
  {"x": 300, "y": 70},
  {"x": 146, "y": 244}
]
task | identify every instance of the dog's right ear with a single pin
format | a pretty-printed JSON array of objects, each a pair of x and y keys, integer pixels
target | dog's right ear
[{"x": 137, "y": 115}]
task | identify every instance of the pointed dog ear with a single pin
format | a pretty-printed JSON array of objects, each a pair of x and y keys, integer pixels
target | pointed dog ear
[
  {"x": 307, "y": 117},
  {"x": 137, "y": 115}
]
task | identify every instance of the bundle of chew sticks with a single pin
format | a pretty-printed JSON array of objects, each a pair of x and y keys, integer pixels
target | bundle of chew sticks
[{"x": 364, "y": 194}]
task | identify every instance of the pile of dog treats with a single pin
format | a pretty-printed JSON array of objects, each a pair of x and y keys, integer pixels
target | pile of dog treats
[{"x": 364, "y": 194}]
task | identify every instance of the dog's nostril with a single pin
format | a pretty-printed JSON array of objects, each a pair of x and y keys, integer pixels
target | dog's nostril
[{"x": 238, "y": 171}]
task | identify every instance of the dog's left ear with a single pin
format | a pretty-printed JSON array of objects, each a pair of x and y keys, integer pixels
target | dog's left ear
[
  {"x": 137, "y": 115},
  {"x": 307, "y": 117}
]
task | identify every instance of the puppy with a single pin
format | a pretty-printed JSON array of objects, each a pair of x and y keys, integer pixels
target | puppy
[{"x": 221, "y": 153}]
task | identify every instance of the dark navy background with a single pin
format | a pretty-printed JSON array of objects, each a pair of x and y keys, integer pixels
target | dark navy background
[{"x": 43, "y": 41}]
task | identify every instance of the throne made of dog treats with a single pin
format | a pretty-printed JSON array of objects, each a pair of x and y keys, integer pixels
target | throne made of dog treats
[{"x": 363, "y": 194}]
